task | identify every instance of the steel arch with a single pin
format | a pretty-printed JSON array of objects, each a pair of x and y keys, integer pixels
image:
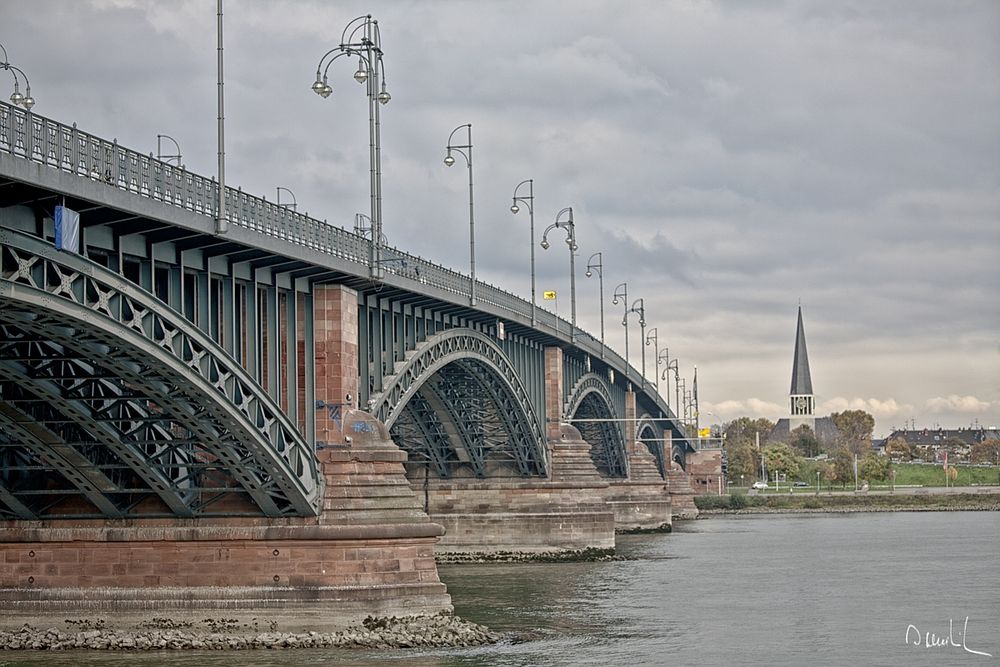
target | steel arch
[
  {"x": 590, "y": 399},
  {"x": 461, "y": 397},
  {"x": 135, "y": 398},
  {"x": 649, "y": 433}
]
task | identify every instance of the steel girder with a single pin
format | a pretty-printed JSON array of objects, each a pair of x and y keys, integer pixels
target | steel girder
[
  {"x": 590, "y": 399},
  {"x": 458, "y": 400},
  {"x": 108, "y": 395},
  {"x": 650, "y": 434}
]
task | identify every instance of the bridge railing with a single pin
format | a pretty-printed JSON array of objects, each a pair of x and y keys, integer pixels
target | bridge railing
[{"x": 63, "y": 147}]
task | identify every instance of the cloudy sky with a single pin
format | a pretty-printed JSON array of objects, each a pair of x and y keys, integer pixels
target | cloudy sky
[{"x": 731, "y": 160}]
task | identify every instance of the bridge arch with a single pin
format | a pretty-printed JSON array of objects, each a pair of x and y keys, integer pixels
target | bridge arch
[
  {"x": 590, "y": 402},
  {"x": 650, "y": 434},
  {"x": 458, "y": 401},
  {"x": 110, "y": 396}
]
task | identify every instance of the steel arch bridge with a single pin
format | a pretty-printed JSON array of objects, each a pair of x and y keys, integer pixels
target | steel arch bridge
[
  {"x": 170, "y": 370},
  {"x": 129, "y": 406},
  {"x": 458, "y": 402}
]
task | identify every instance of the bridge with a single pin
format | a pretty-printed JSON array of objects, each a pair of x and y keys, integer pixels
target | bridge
[{"x": 201, "y": 387}]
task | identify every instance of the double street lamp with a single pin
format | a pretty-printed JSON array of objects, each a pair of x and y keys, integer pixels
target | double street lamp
[
  {"x": 639, "y": 308},
  {"x": 449, "y": 161},
  {"x": 529, "y": 201},
  {"x": 570, "y": 229},
  {"x": 16, "y": 98},
  {"x": 621, "y": 292},
  {"x": 361, "y": 38},
  {"x": 652, "y": 336},
  {"x": 663, "y": 357},
  {"x": 598, "y": 266}
]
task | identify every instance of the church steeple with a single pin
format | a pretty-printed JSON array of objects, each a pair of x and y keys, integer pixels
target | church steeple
[{"x": 801, "y": 395}]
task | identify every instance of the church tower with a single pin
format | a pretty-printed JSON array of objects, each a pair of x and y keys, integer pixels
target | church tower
[{"x": 800, "y": 398}]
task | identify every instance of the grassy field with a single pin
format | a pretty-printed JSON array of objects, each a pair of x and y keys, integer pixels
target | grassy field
[
  {"x": 914, "y": 474},
  {"x": 849, "y": 502}
]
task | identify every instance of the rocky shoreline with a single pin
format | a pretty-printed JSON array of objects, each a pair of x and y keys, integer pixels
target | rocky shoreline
[
  {"x": 164, "y": 634},
  {"x": 579, "y": 555}
]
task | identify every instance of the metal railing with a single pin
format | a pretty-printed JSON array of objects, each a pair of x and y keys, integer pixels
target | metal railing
[{"x": 41, "y": 140}]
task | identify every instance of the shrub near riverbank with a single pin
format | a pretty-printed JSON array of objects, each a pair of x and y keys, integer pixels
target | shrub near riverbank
[{"x": 844, "y": 503}]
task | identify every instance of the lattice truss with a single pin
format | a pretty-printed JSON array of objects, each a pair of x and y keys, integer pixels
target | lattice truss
[
  {"x": 111, "y": 404},
  {"x": 591, "y": 410},
  {"x": 458, "y": 402}
]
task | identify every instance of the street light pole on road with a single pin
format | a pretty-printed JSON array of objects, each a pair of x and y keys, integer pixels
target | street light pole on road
[{"x": 449, "y": 161}]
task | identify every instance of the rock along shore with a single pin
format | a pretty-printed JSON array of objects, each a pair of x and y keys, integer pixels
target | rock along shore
[{"x": 423, "y": 631}]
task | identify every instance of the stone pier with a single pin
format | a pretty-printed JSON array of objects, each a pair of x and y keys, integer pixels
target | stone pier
[{"x": 369, "y": 552}]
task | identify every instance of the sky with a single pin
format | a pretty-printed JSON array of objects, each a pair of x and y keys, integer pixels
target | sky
[{"x": 730, "y": 160}]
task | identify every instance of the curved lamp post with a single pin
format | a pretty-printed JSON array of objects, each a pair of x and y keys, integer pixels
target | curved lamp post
[
  {"x": 16, "y": 98},
  {"x": 671, "y": 365},
  {"x": 294, "y": 203},
  {"x": 621, "y": 292},
  {"x": 640, "y": 310},
  {"x": 652, "y": 336},
  {"x": 361, "y": 38},
  {"x": 361, "y": 229},
  {"x": 529, "y": 201},
  {"x": 449, "y": 161},
  {"x": 570, "y": 228},
  {"x": 159, "y": 149},
  {"x": 599, "y": 267}
]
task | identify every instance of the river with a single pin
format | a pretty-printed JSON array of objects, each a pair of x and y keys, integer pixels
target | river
[{"x": 818, "y": 589}]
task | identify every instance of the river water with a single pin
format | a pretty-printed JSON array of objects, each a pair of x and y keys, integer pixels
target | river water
[{"x": 817, "y": 589}]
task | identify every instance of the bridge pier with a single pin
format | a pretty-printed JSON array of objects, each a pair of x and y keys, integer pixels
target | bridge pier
[
  {"x": 640, "y": 502},
  {"x": 370, "y": 551}
]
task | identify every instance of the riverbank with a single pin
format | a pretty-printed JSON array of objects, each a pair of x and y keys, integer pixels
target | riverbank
[
  {"x": 163, "y": 634},
  {"x": 774, "y": 504}
]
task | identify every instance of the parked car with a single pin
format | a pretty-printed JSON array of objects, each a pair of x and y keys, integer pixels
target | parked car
[
  {"x": 800, "y": 484},
  {"x": 759, "y": 485}
]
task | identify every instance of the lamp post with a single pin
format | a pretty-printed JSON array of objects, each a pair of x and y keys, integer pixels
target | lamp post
[
  {"x": 361, "y": 38},
  {"x": 16, "y": 98},
  {"x": 570, "y": 228},
  {"x": 621, "y": 292},
  {"x": 652, "y": 336},
  {"x": 663, "y": 357},
  {"x": 449, "y": 160},
  {"x": 363, "y": 230},
  {"x": 599, "y": 267},
  {"x": 294, "y": 203},
  {"x": 641, "y": 312},
  {"x": 528, "y": 201},
  {"x": 159, "y": 149}
]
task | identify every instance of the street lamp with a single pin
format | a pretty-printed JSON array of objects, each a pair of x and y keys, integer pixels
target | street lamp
[
  {"x": 294, "y": 203},
  {"x": 528, "y": 201},
  {"x": 599, "y": 267},
  {"x": 449, "y": 160},
  {"x": 652, "y": 336},
  {"x": 571, "y": 243},
  {"x": 361, "y": 38},
  {"x": 167, "y": 158},
  {"x": 621, "y": 292},
  {"x": 663, "y": 357},
  {"x": 641, "y": 312},
  {"x": 16, "y": 98}
]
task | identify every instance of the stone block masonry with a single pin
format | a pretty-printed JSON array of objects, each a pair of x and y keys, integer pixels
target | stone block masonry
[{"x": 369, "y": 552}]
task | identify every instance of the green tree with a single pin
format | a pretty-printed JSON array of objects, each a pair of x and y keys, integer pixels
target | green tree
[
  {"x": 855, "y": 430},
  {"x": 898, "y": 448},
  {"x": 781, "y": 459},
  {"x": 741, "y": 449},
  {"x": 804, "y": 441},
  {"x": 987, "y": 451},
  {"x": 874, "y": 467},
  {"x": 744, "y": 464},
  {"x": 841, "y": 467}
]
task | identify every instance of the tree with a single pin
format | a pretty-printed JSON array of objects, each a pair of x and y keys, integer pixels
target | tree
[
  {"x": 874, "y": 467},
  {"x": 898, "y": 448},
  {"x": 804, "y": 441},
  {"x": 781, "y": 459},
  {"x": 855, "y": 427},
  {"x": 740, "y": 443},
  {"x": 841, "y": 467},
  {"x": 986, "y": 451}
]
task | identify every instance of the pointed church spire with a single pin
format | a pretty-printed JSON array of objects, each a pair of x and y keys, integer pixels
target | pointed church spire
[{"x": 801, "y": 380}]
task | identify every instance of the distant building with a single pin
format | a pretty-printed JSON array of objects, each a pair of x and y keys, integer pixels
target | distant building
[
  {"x": 935, "y": 437},
  {"x": 801, "y": 401}
]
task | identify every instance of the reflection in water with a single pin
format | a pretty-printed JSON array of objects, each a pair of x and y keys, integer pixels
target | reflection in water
[{"x": 816, "y": 589}]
